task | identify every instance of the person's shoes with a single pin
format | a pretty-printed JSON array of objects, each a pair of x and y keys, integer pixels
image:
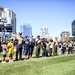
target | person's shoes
[
  {"x": 16, "y": 59},
  {"x": 3, "y": 62},
  {"x": 44, "y": 57},
  {"x": 11, "y": 60},
  {"x": 26, "y": 58}
]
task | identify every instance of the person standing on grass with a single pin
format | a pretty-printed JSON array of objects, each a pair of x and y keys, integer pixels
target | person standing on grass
[
  {"x": 43, "y": 45},
  {"x": 32, "y": 44},
  {"x": 10, "y": 47},
  {"x": 0, "y": 46},
  {"x": 26, "y": 48},
  {"x": 51, "y": 47},
  {"x": 15, "y": 44},
  {"x": 70, "y": 47},
  {"x": 38, "y": 47},
  {"x": 4, "y": 51},
  {"x": 55, "y": 46},
  {"x": 73, "y": 47},
  {"x": 59, "y": 47},
  {"x": 63, "y": 47},
  {"x": 19, "y": 46}
]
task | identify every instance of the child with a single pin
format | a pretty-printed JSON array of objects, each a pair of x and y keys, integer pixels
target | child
[
  {"x": 26, "y": 48},
  {"x": 10, "y": 47},
  {"x": 4, "y": 50}
]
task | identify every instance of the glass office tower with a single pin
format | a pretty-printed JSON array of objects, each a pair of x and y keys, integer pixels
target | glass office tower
[{"x": 26, "y": 30}]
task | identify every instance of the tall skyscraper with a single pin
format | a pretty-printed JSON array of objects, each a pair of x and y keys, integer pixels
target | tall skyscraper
[
  {"x": 65, "y": 35},
  {"x": 73, "y": 28},
  {"x": 26, "y": 30},
  {"x": 7, "y": 20},
  {"x": 44, "y": 31}
]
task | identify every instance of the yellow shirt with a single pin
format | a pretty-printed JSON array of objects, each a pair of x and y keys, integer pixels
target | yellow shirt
[{"x": 10, "y": 48}]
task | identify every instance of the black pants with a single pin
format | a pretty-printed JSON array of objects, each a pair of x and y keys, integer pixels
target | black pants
[
  {"x": 4, "y": 56},
  {"x": 63, "y": 51},
  {"x": 11, "y": 56},
  {"x": 20, "y": 54},
  {"x": 50, "y": 51},
  {"x": 0, "y": 48},
  {"x": 44, "y": 52},
  {"x": 31, "y": 51},
  {"x": 19, "y": 51},
  {"x": 70, "y": 50}
]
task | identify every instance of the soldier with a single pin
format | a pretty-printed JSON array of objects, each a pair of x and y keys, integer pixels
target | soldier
[
  {"x": 38, "y": 42},
  {"x": 43, "y": 45},
  {"x": 70, "y": 47},
  {"x": 55, "y": 46}
]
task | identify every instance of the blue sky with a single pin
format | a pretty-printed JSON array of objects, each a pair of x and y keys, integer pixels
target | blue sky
[{"x": 56, "y": 14}]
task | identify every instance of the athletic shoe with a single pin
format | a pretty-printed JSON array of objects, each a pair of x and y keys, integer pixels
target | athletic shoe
[
  {"x": 11, "y": 60},
  {"x": 3, "y": 62}
]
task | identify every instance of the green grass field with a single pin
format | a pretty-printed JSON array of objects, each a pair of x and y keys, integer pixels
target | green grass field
[{"x": 57, "y": 65}]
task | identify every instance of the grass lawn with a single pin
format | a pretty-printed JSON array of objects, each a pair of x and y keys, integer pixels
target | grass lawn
[{"x": 57, "y": 65}]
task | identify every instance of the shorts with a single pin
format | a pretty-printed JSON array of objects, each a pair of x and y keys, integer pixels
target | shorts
[
  {"x": 4, "y": 55},
  {"x": 25, "y": 52},
  {"x": 11, "y": 52}
]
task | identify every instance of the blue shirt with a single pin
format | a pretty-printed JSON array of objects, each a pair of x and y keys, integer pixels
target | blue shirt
[{"x": 26, "y": 44}]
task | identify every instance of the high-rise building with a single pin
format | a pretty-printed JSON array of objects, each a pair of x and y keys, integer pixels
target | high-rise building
[
  {"x": 7, "y": 20},
  {"x": 26, "y": 30},
  {"x": 73, "y": 28},
  {"x": 44, "y": 31},
  {"x": 65, "y": 35}
]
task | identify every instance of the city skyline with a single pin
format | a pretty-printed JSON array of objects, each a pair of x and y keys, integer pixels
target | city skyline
[{"x": 56, "y": 14}]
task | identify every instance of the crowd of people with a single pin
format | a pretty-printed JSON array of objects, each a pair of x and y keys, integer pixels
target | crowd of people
[{"x": 26, "y": 46}]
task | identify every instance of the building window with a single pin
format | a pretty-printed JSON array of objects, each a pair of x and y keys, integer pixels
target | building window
[
  {"x": 9, "y": 13},
  {"x": 73, "y": 27},
  {"x": 1, "y": 9},
  {"x": 0, "y": 14}
]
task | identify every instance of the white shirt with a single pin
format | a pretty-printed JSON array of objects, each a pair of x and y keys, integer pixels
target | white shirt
[
  {"x": 51, "y": 44},
  {"x": 3, "y": 49}
]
